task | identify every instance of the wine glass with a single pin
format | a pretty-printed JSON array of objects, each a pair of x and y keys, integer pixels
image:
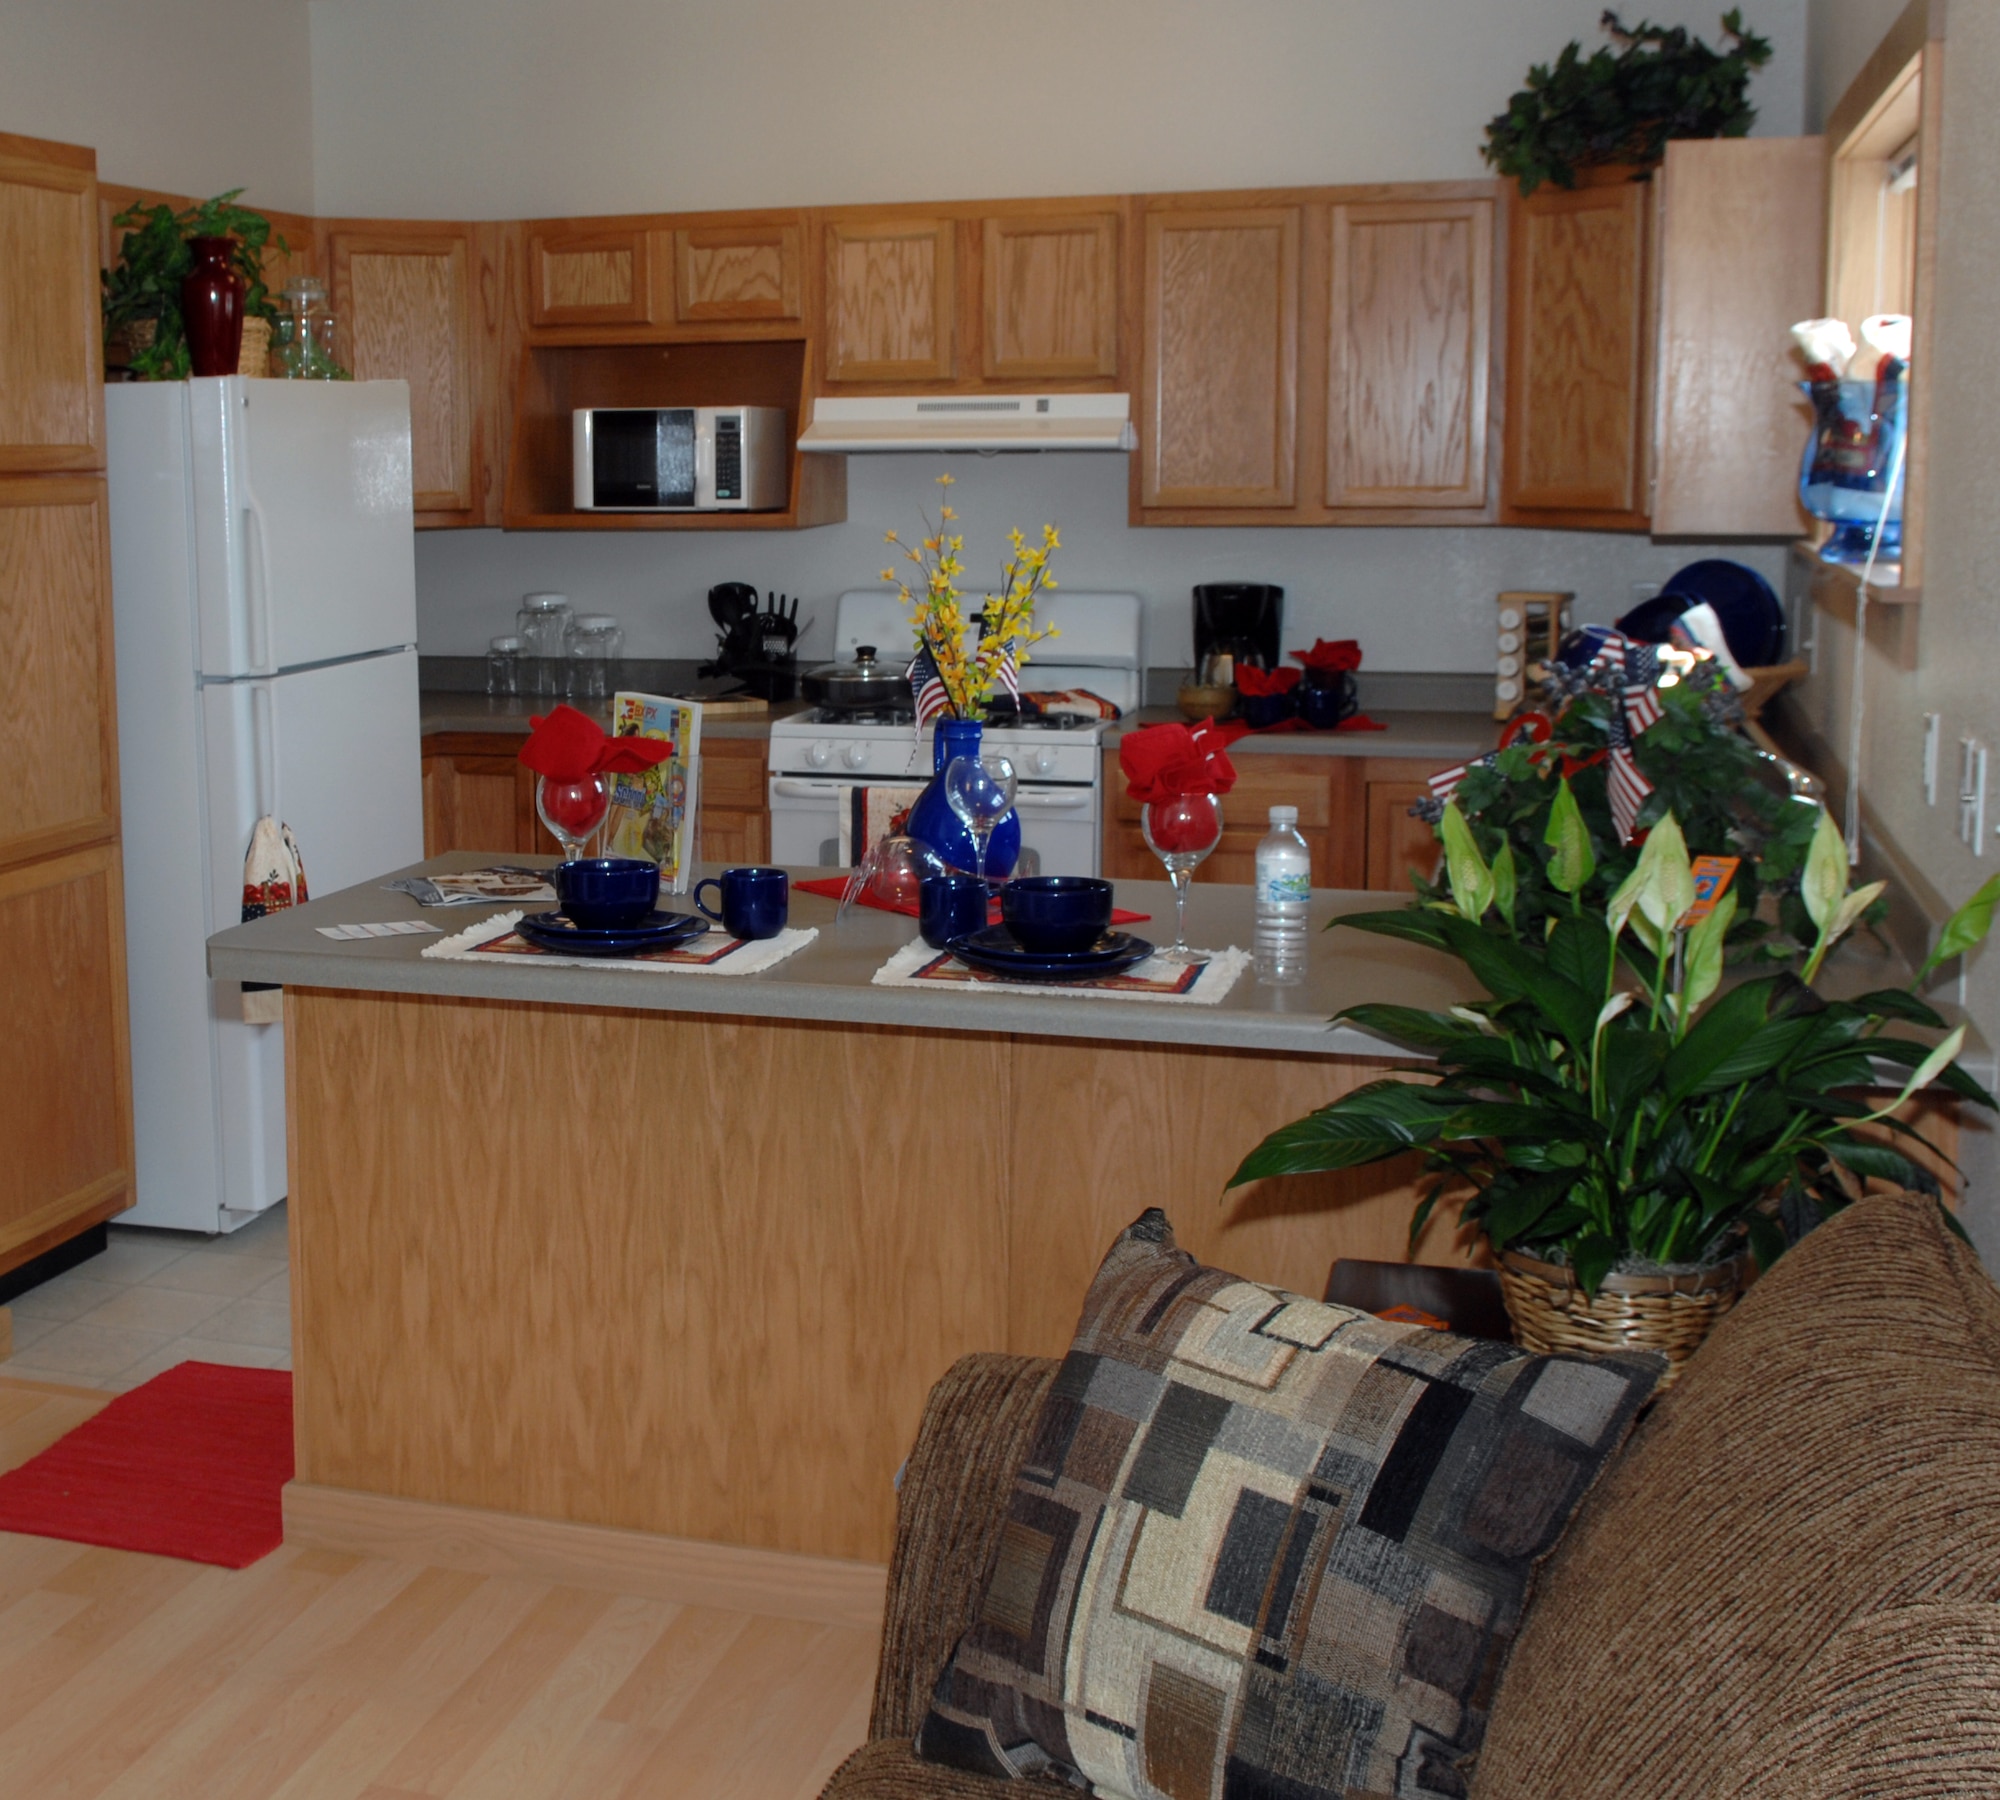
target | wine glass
[
  {"x": 573, "y": 810},
  {"x": 980, "y": 790},
  {"x": 1181, "y": 831}
]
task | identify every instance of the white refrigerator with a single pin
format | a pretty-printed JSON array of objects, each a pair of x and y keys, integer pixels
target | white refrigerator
[{"x": 263, "y": 570}]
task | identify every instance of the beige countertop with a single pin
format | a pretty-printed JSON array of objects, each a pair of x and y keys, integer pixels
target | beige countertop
[{"x": 442, "y": 710}]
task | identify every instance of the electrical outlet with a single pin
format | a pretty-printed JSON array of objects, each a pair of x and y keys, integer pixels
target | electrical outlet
[
  {"x": 1972, "y": 795},
  {"x": 1933, "y": 731}
]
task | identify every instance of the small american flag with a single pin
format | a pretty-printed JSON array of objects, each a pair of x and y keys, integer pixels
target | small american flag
[
  {"x": 1445, "y": 782},
  {"x": 928, "y": 687},
  {"x": 1010, "y": 676},
  {"x": 1627, "y": 789},
  {"x": 1643, "y": 706}
]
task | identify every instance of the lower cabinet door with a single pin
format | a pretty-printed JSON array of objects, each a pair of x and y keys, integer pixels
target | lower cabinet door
[
  {"x": 1399, "y": 844},
  {"x": 65, "y": 1065}
]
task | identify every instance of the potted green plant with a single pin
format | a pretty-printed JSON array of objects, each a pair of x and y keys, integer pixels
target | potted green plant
[
  {"x": 1620, "y": 108},
  {"x": 1627, "y": 1127},
  {"x": 142, "y": 288}
]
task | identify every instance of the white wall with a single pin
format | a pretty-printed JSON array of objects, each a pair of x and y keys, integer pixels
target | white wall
[
  {"x": 1840, "y": 36},
  {"x": 1416, "y": 599},
  {"x": 506, "y": 108},
  {"x": 194, "y": 96}
]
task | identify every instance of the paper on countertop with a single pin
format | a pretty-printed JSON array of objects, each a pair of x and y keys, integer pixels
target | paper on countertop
[
  {"x": 503, "y": 882},
  {"x": 714, "y": 953},
  {"x": 388, "y": 928},
  {"x": 918, "y": 965}
]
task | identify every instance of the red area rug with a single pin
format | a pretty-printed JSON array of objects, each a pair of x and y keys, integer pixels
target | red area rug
[{"x": 192, "y": 1465}]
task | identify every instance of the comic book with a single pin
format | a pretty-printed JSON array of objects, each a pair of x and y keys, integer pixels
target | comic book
[{"x": 653, "y": 812}]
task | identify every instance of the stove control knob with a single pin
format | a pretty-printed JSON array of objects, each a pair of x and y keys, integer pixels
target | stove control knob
[
  {"x": 855, "y": 756},
  {"x": 820, "y": 755},
  {"x": 1040, "y": 762}
]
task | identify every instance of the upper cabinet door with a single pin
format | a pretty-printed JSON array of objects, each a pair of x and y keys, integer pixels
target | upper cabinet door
[
  {"x": 402, "y": 299},
  {"x": 738, "y": 273},
  {"x": 1408, "y": 347},
  {"x": 52, "y": 344},
  {"x": 1051, "y": 297},
  {"x": 890, "y": 292},
  {"x": 1741, "y": 248},
  {"x": 589, "y": 278},
  {"x": 1576, "y": 350},
  {"x": 1221, "y": 348},
  {"x": 58, "y": 704}
]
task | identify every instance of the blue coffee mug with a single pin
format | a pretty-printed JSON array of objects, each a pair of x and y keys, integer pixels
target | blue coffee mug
[
  {"x": 950, "y": 907},
  {"x": 755, "y": 902}
]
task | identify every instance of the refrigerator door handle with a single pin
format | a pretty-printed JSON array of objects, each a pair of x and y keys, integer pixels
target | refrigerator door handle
[
  {"x": 263, "y": 751},
  {"x": 257, "y": 584}
]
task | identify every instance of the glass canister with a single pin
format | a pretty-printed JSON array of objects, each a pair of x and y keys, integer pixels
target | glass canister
[
  {"x": 595, "y": 643},
  {"x": 503, "y": 668},
  {"x": 542, "y": 625},
  {"x": 307, "y": 346}
]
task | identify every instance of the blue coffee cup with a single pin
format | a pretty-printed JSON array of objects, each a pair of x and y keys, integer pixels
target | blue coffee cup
[
  {"x": 1324, "y": 706},
  {"x": 950, "y": 907},
  {"x": 608, "y": 893},
  {"x": 755, "y": 902},
  {"x": 1056, "y": 915}
]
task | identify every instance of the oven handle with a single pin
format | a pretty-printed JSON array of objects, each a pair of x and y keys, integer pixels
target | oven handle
[
  {"x": 1042, "y": 800},
  {"x": 784, "y": 788}
]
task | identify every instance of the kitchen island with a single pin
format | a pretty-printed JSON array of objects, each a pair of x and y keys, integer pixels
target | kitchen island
[{"x": 681, "y": 1254}]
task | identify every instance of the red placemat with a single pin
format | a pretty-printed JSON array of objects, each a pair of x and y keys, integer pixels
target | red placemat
[
  {"x": 191, "y": 1464},
  {"x": 831, "y": 887}
]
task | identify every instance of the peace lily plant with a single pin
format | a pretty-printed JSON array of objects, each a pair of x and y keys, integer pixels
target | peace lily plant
[{"x": 1611, "y": 1105}]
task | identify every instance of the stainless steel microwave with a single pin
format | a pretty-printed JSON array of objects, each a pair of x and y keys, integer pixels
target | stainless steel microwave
[{"x": 681, "y": 459}]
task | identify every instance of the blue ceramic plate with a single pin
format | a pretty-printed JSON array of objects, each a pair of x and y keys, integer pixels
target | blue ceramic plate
[
  {"x": 995, "y": 952},
  {"x": 554, "y": 931}
]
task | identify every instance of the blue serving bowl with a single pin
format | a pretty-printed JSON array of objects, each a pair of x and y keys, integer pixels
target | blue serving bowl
[
  {"x": 608, "y": 893},
  {"x": 1055, "y": 915}
]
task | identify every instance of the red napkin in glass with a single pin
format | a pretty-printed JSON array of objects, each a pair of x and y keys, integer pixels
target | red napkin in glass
[
  {"x": 567, "y": 746},
  {"x": 1254, "y": 681},
  {"x": 1160, "y": 762},
  {"x": 1341, "y": 653}
]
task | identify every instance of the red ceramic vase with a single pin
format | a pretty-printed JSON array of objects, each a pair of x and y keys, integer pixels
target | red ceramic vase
[{"x": 212, "y": 307}]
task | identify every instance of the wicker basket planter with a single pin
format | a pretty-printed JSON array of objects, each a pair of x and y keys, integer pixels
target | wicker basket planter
[
  {"x": 254, "y": 357},
  {"x": 1668, "y": 1313}
]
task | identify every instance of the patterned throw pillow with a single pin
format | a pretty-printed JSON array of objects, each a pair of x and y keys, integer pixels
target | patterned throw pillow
[{"x": 1263, "y": 1548}]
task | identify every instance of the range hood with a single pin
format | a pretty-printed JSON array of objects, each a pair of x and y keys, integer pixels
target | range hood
[{"x": 971, "y": 422}]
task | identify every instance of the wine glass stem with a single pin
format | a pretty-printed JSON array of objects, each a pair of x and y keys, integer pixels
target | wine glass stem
[
  {"x": 1180, "y": 878},
  {"x": 979, "y": 843}
]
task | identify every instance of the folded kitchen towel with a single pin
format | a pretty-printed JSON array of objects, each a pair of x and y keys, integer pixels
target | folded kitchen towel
[{"x": 713, "y": 953}]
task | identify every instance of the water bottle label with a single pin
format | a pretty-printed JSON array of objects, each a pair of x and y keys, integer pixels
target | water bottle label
[{"x": 1283, "y": 890}]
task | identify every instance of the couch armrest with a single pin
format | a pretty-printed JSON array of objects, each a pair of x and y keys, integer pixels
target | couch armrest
[{"x": 971, "y": 1440}]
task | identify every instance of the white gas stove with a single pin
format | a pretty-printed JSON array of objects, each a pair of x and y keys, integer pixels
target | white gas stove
[{"x": 818, "y": 759}]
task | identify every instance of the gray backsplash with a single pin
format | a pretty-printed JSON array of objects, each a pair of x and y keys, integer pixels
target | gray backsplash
[{"x": 1380, "y": 690}]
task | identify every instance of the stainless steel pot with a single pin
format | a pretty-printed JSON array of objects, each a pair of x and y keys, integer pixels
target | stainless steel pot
[{"x": 864, "y": 685}]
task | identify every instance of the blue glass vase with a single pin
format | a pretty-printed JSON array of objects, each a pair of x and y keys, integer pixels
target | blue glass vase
[
  {"x": 933, "y": 822},
  {"x": 1853, "y": 460}
]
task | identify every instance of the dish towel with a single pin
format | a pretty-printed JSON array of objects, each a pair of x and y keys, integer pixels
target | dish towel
[
  {"x": 713, "y": 953},
  {"x": 918, "y": 965}
]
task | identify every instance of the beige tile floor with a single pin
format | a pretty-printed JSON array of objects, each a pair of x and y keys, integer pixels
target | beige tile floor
[{"x": 156, "y": 1298}]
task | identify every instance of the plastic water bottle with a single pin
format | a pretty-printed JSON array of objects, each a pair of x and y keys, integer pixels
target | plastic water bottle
[{"x": 1284, "y": 884}]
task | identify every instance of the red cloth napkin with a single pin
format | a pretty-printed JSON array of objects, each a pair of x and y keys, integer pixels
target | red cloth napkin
[
  {"x": 1340, "y": 653},
  {"x": 567, "y": 746},
  {"x": 1160, "y": 762},
  {"x": 833, "y": 886},
  {"x": 1253, "y": 680}
]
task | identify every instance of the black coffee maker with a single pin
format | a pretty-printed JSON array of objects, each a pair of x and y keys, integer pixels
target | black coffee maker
[{"x": 1243, "y": 620}]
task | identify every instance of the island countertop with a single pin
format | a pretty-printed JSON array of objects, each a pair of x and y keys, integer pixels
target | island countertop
[{"x": 831, "y": 979}]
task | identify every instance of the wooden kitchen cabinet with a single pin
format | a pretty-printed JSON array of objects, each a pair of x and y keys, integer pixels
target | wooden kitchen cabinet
[
  {"x": 891, "y": 297},
  {"x": 581, "y": 277},
  {"x": 1409, "y": 347},
  {"x": 733, "y": 817},
  {"x": 1219, "y": 391},
  {"x": 51, "y": 335},
  {"x": 434, "y": 305},
  {"x": 1580, "y": 310},
  {"x": 1049, "y": 293},
  {"x": 739, "y": 272},
  {"x": 1398, "y": 844}
]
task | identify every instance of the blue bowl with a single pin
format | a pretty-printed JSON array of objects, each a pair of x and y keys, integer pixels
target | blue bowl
[
  {"x": 608, "y": 893},
  {"x": 1054, "y": 915},
  {"x": 1261, "y": 711}
]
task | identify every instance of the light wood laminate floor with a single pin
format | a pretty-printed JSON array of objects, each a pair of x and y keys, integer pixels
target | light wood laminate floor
[{"x": 314, "y": 1676}]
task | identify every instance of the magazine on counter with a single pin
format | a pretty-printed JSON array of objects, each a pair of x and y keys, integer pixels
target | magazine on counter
[{"x": 653, "y": 811}]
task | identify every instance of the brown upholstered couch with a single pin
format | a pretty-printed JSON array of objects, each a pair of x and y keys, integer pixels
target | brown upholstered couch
[{"x": 1787, "y": 1588}]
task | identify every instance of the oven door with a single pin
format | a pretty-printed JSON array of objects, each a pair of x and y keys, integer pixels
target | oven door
[{"x": 1059, "y": 825}]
